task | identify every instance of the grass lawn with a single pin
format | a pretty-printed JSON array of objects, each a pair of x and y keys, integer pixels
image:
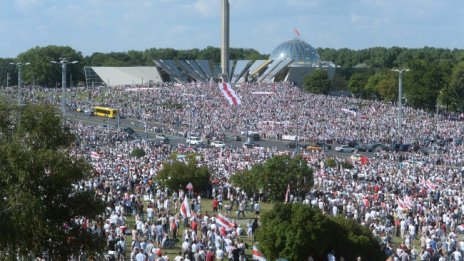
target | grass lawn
[{"x": 205, "y": 206}]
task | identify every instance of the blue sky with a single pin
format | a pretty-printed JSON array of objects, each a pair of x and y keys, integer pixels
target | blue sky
[{"x": 92, "y": 26}]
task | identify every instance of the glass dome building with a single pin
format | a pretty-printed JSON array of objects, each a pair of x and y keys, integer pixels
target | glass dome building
[{"x": 296, "y": 50}]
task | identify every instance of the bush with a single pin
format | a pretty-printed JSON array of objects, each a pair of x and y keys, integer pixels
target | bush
[
  {"x": 346, "y": 165},
  {"x": 330, "y": 162},
  {"x": 137, "y": 153}
]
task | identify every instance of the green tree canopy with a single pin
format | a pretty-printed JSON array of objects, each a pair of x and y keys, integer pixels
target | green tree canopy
[
  {"x": 317, "y": 82},
  {"x": 177, "y": 174},
  {"x": 357, "y": 85},
  {"x": 38, "y": 199},
  {"x": 295, "y": 231},
  {"x": 43, "y": 72},
  {"x": 274, "y": 175},
  {"x": 384, "y": 85}
]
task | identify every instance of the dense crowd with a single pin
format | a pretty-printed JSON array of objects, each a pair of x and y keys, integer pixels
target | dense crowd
[{"x": 415, "y": 196}]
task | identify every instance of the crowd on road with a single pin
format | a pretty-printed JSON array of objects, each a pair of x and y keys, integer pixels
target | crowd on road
[
  {"x": 283, "y": 110},
  {"x": 415, "y": 196}
]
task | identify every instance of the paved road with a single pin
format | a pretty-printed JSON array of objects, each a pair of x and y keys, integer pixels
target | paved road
[{"x": 139, "y": 127}]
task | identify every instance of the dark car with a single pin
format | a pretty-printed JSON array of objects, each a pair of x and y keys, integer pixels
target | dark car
[
  {"x": 293, "y": 145},
  {"x": 250, "y": 144},
  {"x": 324, "y": 146},
  {"x": 129, "y": 130},
  {"x": 161, "y": 138}
]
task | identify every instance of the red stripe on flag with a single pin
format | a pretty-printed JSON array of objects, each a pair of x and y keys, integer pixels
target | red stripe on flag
[
  {"x": 223, "y": 221},
  {"x": 229, "y": 93}
]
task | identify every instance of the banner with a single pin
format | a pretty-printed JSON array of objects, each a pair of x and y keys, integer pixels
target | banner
[
  {"x": 223, "y": 221},
  {"x": 229, "y": 94}
]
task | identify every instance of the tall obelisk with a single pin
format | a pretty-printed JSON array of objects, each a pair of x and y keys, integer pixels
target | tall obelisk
[{"x": 225, "y": 39}]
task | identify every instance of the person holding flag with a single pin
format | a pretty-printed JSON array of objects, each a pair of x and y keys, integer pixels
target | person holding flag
[{"x": 185, "y": 210}]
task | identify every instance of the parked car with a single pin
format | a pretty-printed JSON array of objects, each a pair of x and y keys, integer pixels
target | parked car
[
  {"x": 251, "y": 135},
  {"x": 162, "y": 138},
  {"x": 293, "y": 145},
  {"x": 345, "y": 148},
  {"x": 324, "y": 146},
  {"x": 193, "y": 140},
  {"x": 218, "y": 144},
  {"x": 250, "y": 144},
  {"x": 129, "y": 130}
]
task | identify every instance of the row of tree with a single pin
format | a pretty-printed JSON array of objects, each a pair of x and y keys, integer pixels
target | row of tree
[{"x": 435, "y": 77}]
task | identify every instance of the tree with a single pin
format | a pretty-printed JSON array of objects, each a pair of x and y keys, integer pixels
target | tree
[
  {"x": 137, "y": 153},
  {"x": 38, "y": 200},
  {"x": 43, "y": 72},
  {"x": 357, "y": 84},
  {"x": 275, "y": 175},
  {"x": 317, "y": 82},
  {"x": 177, "y": 174},
  {"x": 295, "y": 231},
  {"x": 384, "y": 85},
  {"x": 423, "y": 82},
  {"x": 452, "y": 95}
]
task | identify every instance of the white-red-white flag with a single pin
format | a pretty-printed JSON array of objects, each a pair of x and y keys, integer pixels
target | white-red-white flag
[
  {"x": 401, "y": 203},
  {"x": 230, "y": 95},
  {"x": 94, "y": 155},
  {"x": 223, "y": 221},
  {"x": 185, "y": 208},
  {"x": 257, "y": 255}
]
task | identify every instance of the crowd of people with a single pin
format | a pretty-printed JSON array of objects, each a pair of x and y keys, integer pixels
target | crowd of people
[{"x": 413, "y": 195}]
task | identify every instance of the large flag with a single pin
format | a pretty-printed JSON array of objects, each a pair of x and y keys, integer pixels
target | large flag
[
  {"x": 223, "y": 221},
  {"x": 185, "y": 208},
  {"x": 229, "y": 94},
  {"x": 257, "y": 255}
]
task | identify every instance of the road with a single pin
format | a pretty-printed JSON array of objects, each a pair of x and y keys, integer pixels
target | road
[{"x": 139, "y": 127}]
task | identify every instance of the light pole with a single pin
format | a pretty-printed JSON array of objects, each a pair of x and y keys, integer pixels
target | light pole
[
  {"x": 400, "y": 95},
  {"x": 19, "y": 66},
  {"x": 63, "y": 62}
]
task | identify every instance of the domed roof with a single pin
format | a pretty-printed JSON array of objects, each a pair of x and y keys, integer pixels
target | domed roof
[{"x": 296, "y": 50}]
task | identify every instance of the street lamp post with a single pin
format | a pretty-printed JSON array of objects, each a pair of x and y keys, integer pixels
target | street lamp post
[
  {"x": 19, "y": 66},
  {"x": 400, "y": 95},
  {"x": 63, "y": 62}
]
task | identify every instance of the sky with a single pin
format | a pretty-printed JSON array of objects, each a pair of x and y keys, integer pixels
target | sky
[{"x": 90, "y": 26}]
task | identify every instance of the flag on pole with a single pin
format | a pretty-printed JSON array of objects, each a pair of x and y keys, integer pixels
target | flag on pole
[
  {"x": 185, "y": 208},
  {"x": 287, "y": 194},
  {"x": 297, "y": 32},
  {"x": 257, "y": 255},
  {"x": 223, "y": 221},
  {"x": 229, "y": 94}
]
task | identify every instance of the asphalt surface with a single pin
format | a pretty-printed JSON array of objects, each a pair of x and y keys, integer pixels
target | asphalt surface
[{"x": 140, "y": 132}]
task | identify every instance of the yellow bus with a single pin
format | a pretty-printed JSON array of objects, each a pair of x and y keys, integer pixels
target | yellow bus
[{"x": 105, "y": 112}]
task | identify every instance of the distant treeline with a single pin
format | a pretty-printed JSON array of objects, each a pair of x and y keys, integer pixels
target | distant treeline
[{"x": 435, "y": 77}]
